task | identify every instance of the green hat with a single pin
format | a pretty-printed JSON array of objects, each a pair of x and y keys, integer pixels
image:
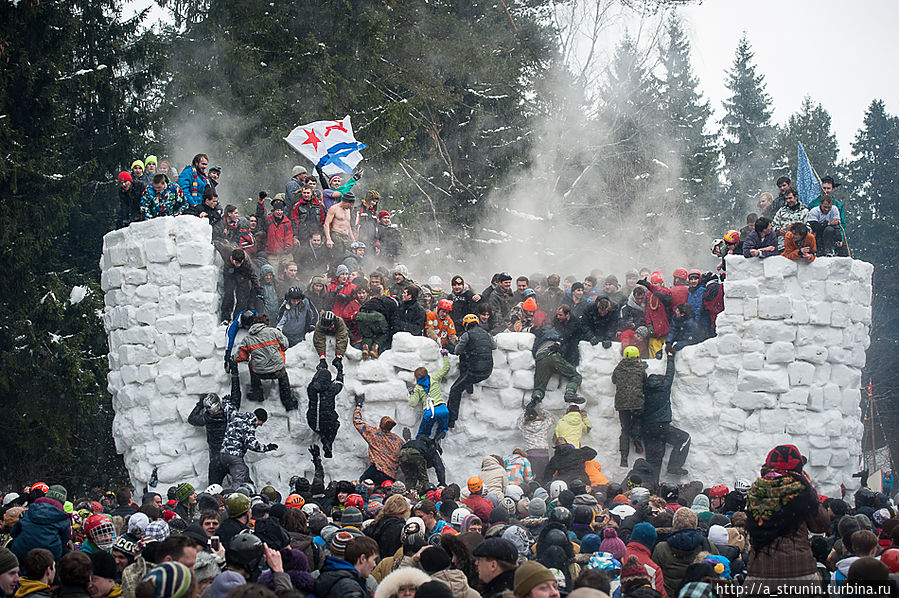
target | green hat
[
  {"x": 58, "y": 492},
  {"x": 137, "y": 163},
  {"x": 530, "y": 575},
  {"x": 150, "y": 160},
  {"x": 184, "y": 491},
  {"x": 8, "y": 560}
]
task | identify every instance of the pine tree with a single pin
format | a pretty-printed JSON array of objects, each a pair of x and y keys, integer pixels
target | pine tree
[
  {"x": 748, "y": 133},
  {"x": 812, "y": 126},
  {"x": 693, "y": 155}
]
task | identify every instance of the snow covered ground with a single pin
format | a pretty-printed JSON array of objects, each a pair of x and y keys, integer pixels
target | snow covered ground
[{"x": 785, "y": 367}]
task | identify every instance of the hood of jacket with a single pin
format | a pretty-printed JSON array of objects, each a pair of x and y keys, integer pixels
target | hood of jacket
[
  {"x": 44, "y": 513},
  {"x": 391, "y": 584},
  {"x": 686, "y": 540}
]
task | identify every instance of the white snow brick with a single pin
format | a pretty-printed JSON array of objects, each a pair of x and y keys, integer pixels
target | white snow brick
[
  {"x": 195, "y": 254},
  {"x": 521, "y": 360},
  {"x": 732, "y": 419},
  {"x": 751, "y": 401},
  {"x": 779, "y": 352},
  {"x": 801, "y": 373},
  {"x": 741, "y": 288},
  {"x": 523, "y": 379},
  {"x": 728, "y": 344},
  {"x": 499, "y": 379},
  {"x": 193, "y": 302},
  {"x": 844, "y": 376},
  {"x": 202, "y": 278},
  {"x": 767, "y": 380},
  {"x": 506, "y": 341},
  {"x": 179, "y": 324},
  {"x": 775, "y": 307},
  {"x": 753, "y": 361},
  {"x": 750, "y": 308},
  {"x": 812, "y": 354},
  {"x": 778, "y": 267},
  {"x": 815, "y": 271}
]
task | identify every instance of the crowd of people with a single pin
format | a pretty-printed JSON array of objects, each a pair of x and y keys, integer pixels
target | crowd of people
[{"x": 506, "y": 533}]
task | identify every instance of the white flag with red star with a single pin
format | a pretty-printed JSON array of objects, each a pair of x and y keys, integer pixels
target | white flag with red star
[{"x": 328, "y": 144}]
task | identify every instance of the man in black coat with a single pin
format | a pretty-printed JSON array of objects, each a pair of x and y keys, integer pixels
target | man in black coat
[
  {"x": 410, "y": 316},
  {"x": 657, "y": 430},
  {"x": 242, "y": 289},
  {"x": 475, "y": 351},
  {"x": 130, "y": 192},
  {"x": 416, "y": 456},
  {"x": 320, "y": 413},
  {"x": 346, "y": 577},
  {"x": 567, "y": 462},
  {"x": 209, "y": 413},
  {"x": 600, "y": 322},
  {"x": 463, "y": 301}
]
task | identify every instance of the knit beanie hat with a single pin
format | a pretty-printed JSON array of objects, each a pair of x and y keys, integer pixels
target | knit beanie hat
[
  {"x": 645, "y": 534},
  {"x": 718, "y": 535},
  {"x": 104, "y": 564},
  {"x": 398, "y": 488},
  {"x": 684, "y": 518},
  {"x": 612, "y": 544},
  {"x": 8, "y": 560},
  {"x": 633, "y": 575},
  {"x": 184, "y": 491},
  {"x": 537, "y": 507},
  {"x": 137, "y": 524},
  {"x": 339, "y": 542},
  {"x": 590, "y": 543},
  {"x": 434, "y": 559},
  {"x": 58, "y": 492},
  {"x": 170, "y": 580},
  {"x": 530, "y": 575}
]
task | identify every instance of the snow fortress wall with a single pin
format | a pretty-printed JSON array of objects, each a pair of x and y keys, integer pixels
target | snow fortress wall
[{"x": 785, "y": 368}]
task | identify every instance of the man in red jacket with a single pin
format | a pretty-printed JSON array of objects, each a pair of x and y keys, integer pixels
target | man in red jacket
[
  {"x": 278, "y": 232},
  {"x": 476, "y": 501},
  {"x": 643, "y": 539}
]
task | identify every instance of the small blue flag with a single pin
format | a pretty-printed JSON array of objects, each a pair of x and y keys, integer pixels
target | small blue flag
[{"x": 806, "y": 178}]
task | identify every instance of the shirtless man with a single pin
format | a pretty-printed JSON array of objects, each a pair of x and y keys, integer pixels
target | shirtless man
[{"x": 338, "y": 232}]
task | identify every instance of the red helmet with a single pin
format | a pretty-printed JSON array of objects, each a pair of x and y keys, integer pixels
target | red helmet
[
  {"x": 718, "y": 491},
  {"x": 890, "y": 558},
  {"x": 657, "y": 278},
  {"x": 294, "y": 501},
  {"x": 445, "y": 304},
  {"x": 100, "y": 530},
  {"x": 354, "y": 500},
  {"x": 694, "y": 272},
  {"x": 732, "y": 236},
  {"x": 40, "y": 486},
  {"x": 680, "y": 273}
]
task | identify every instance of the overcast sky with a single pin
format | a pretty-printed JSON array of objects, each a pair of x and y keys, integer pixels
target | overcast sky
[{"x": 842, "y": 53}]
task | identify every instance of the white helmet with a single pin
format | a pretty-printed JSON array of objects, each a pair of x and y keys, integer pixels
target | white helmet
[
  {"x": 309, "y": 508},
  {"x": 742, "y": 485},
  {"x": 458, "y": 515},
  {"x": 435, "y": 282},
  {"x": 639, "y": 496},
  {"x": 556, "y": 488},
  {"x": 514, "y": 492},
  {"x": 214, "y": 489},
  {"x": 509, "y": 505}
]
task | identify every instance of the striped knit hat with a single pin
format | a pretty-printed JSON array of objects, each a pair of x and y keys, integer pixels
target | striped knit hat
[
  {"x": 339, "y": 542},
  {"x": 170, "y": 580}
]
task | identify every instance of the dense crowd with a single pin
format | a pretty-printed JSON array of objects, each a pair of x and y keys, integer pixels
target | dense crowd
[{"x": 542, "y": 521}]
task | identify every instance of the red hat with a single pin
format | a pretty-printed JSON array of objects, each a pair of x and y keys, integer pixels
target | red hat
[
  {"x": 680, "y": 273},
  {"x": 125, "y": 176},
  {"x": 657, "y": 278},
  {"x": 169, "y": 515},
  {"x": 386, "y": 484},
  {"x": 785, "y": 457},
  {"x": 383, "y": 213}
]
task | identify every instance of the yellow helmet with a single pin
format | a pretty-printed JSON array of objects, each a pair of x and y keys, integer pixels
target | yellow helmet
[
  {"x": 631, "y": 351},
  {"x": 469, "y": 319}
]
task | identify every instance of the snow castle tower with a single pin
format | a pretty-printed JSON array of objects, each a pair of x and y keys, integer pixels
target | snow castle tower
[{"x": 784, "y": 368}]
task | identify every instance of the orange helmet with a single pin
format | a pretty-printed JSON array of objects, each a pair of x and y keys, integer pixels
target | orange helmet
[
  {"x": 529, "y": 304},
  {"x": 294, "y": 501},
  {"x": 445, "y": 304},
  {"x": 475, "y": 484},
  {"x": 657, "y": 278},
  {"x": 890, "y": 558},
  {"x": 40, "y": 486},
  {"x": 680, "y": 273}
]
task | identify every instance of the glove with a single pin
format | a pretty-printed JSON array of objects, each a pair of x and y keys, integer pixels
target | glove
[
  {"x": 337, "y": 362},
  {"x": 594, "y": 341},
  {"x": 444, "y": 352},
  {"x": 262, "y": 195},
  {"x": 643, "y": 282},
  {"x": 271, "y": 447},
  {"x": 315, "y": 452},
  {"x": 227, "y": 362},
  {"x": 606, "y": 344},
  {"x": 322, "y": 364},
  {"x": 260, "y": 296},
  {"x": 358, "y": 174},
  {"x": 360, "y": 400},
  {"x": 233, "y": 367}
]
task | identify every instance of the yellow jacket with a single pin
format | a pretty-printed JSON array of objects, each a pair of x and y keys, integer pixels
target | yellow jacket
[{"x": 572, "y": 426}]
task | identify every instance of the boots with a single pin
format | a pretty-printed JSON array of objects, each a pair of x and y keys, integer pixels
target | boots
[
  {"x": 623, "y": 461},
  {"x": 407, "y": 435},
  {"x": 373, "y": 352},
  {"x": 571, "y": 397},
  {"x": 531, "y": 408},
  {"x": 638, "y": 445},
  {"x": 366, "y": 355}
]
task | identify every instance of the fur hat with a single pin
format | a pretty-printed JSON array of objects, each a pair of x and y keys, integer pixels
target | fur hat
[
  {"x": 684, "y": 518},
  {"x": 404, "y": 576}
]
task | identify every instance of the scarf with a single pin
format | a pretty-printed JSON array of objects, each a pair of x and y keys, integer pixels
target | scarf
[
  {"x": 633, "y": 304},
  {"x": 770, "y": 494}
]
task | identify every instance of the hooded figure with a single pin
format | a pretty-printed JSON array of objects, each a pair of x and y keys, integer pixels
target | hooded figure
[
  {"x": 269, "y": 293},
  {"x": 321, "y": 415},
  {"x": 210, "y": 414}
]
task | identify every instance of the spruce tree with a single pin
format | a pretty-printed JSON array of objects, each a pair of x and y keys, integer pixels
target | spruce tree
[
  {"x": 747, "y": 133},
  {"x": 812, "y": 126}
]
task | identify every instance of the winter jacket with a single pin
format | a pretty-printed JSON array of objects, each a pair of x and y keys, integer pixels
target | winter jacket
[
  {"x": 244, "y": 275},
  {"x": 694, "y": 300},
  {"x": 628, "y": 378},
  {"x": 684, "y": 332},
  {"x": 679, "y": 294},
  {"x": 192, "y": 184},
  {"x": 264, "y": 347},
  {"x": 713, "y": 301},
  {"x": 784, "y": 218},
  {"x": 296, "y": 322},
  {"x": 129, "y": 204},
  {"x": 755, "y": 241},
  {"x": 429, "y": 450},
  {"x": 658, "y": 309},
  {"x": 535, "y": 431},
  {"x": 278, "y": 232},
  {"x": 240, "y": 435},
  {"x": 215, "y": 424},
  {"x": 566, "y": 335},
  {"x": 339, "y": 579},
  {"x": 383, "y": 447},
  {"x": 654, "y": 571},
  {"x": 792, "y": 249},
  {"x": 340, "y": 334},
  {"x": 386, "y": 532},
  {"x": 496, "y": 587},
  {"x": 598, "y": 328},
  {"x": 457, "y": 582},
  {"x": 169, "y": 202},
  {"x": 44, "y": 525},
  {"x": 213, "y": 216},
  {"x": 463, "y": 304},
  {"x": 632, "y": 313},
  {"x": 677, "y": 553},
  {"x": 390, "y": 240},
  {"x": 270, "y": 296},
  {"x": 480, "y": 506},
  {"x": 550, "y": 300},
  {"x": 789, "y": 555},
  {"x": 410, "y": 317},
  {"x": 567, "y": 463},
  {"x": 493, "y": 476},
  {"x": 307, "y": 218},
  {"x": 518, "y": 469},
  {"x": 434, "y": 395},
  {"x": 572, "y": 426},
  {"x": 34, "y": 589},
  {"x": 475, "y": 350},
  {"x": 501, "y": 303},
  {"x": 657, "y": 396}
]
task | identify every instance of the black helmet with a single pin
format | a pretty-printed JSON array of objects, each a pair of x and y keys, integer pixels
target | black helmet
[
  {"x": 669, "y": 491},
  {"x": 245, "y": 551},
  {"x": 327, "y": 319},
  {"x": 561, "y": 515},
  {"x": 583, "y": 514},
  {"x": 554, "y": 537},
  {"x": 294, "y": 293}
]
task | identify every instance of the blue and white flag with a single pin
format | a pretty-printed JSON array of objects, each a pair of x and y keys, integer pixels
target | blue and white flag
[
  {"x": 328, "y": 144},
  {"x": 807, "y": 183}
]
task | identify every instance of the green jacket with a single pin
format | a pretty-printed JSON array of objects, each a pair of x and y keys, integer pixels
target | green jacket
[
  {"x": 435, "y": 395},
  {"x": 340, "y": 333},
  {"x": 628, "y": 378}
]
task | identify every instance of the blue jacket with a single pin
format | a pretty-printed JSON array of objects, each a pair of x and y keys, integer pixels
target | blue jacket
[
  {"x": 192, "y": 184},
  {"x": 295, "y": 322},
  {"x": 694, "y": 299},
  {"x": 339, "y": 579},
  {"x": 683, "y": 332},
  {"x": 43, "y": 526}
]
